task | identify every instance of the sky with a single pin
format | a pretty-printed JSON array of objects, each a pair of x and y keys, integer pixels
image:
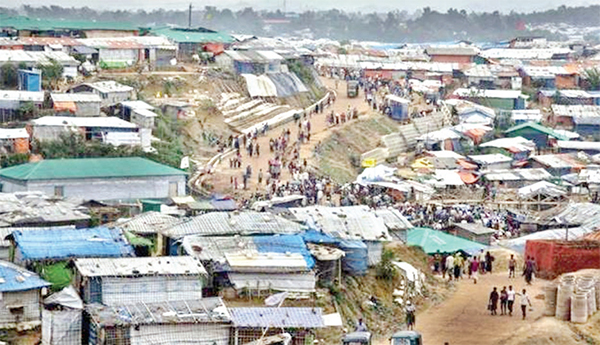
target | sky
[{"x": 303, "y": 5}]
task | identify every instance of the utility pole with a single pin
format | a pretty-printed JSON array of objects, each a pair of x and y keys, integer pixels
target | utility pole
[{"x": 190, "y": 17}]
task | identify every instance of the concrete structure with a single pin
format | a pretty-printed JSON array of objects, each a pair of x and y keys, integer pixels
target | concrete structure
[
  {"x": 123, "y": 178},
  {"x": 110, "y": 91}
]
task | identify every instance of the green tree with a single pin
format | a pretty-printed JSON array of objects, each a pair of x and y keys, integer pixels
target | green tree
[
  {"x": 8, "y": 72},
  {"x": 592, "y": 75},
  {"x": 385, "y": 268},
  {"x": 51, "y": 72}
]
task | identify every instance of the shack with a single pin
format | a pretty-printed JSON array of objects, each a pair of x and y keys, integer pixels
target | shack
[
  {"x": 194, "y": 322},
  {"x": 118, "y": 281},
  {"x": 503, "y": 99},
  {"x": 76, "y": 104},
  {"x": 21, "y": 291},
  {"x": 517, "y": 178},
  {"x": 194, "y": 41},
  {"x": 61, "y": 318},
  {"x": 249, "y": 324},
  {"x": 12, "y": 101},
  {"x": 475, "y": 232},
  {"x": 542, "y": 136},
  {"x": 14, "y": 140},
  {"x": 109, "y": 91},
  {"x": 123, "y": 178}
]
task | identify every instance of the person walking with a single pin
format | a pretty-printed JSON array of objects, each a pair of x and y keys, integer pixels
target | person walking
[
  {"x": 488, "y": 262},
  {"x": 450, "y": 266},
  {"x": 525, "y": 301},
  {"x": 503, "y": 301},
  {"x": 510, "y": 299},
  {"x": 458, "y": 265},
  {"x": 474, "y": 269},
  {"x": 260, "y": 176},
  {"x": 529, "y": 270},
  {"x": 493, "y": 302},
  {"x": 512, "y": 263},
  {"x": 411, "y": 320}
]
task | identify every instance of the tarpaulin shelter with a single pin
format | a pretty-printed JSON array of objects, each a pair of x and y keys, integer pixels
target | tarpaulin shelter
[
  {"x": 433, "y": 241},
  {"x": 61, "y": 318}
]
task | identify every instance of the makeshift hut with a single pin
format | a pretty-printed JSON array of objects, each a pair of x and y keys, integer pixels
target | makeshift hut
[
  {"x": 61, "y": 318},
  {"x": 194, "y": 321},
  {"x": 475, "y": 232},
  {"x": 117, "y": 281},
  {"x": 542, "y": 195}
]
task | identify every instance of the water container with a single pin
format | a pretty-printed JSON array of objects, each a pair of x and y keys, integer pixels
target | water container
[
  {"x": 579, "y": 308},
  {"x": 550, "y": 291},
  {"x": 592, "y": 300},
  {"x": 563, "y": 302}
]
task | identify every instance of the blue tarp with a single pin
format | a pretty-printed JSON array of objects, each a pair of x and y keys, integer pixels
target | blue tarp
[
  {"x": 59, "y": 244},
  {"x": 356, "y": 259},
  {"x": 16, "y": 278},
  {"x": 318, "y": 237},
  {"x": 284, "y": 244}
]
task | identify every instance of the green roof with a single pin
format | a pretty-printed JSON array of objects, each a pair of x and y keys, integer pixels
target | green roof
[
  {"x": 433, "y": 240},
  {"x": 536, "y": 126},
  {"x": 198, "y": 35},
  {"x": 88, "y": 168},
  {"x": 26, "y": 23}
]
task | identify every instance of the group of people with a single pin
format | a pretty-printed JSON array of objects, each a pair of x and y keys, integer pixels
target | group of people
[
  {"x": 457, "y": 265},
  {"x": 507, "y": 300}
]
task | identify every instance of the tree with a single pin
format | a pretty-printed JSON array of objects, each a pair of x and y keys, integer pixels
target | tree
[
  {"x": 51, "y": 72},
  {"x": 592, "y": 75},
  {"x": 8, "y": 72}
]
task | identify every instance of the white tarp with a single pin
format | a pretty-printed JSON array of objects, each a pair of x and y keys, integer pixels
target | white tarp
[
  {"x": 260, "y": 86},
  {"x": 543, "y": 188},
  {"x": 375, "y": 174}
]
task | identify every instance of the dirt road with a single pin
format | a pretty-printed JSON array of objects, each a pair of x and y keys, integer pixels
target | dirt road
[
  {"x": 319, "y": 131},
  {"x": 463, "y": 319}
]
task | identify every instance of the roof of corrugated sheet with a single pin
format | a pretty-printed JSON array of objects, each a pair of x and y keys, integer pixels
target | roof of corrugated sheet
[
  {"x": 95, "y": 121},
  {"x": 32, "y": 23},
  {"x": 36, "y": 207},
  {"x": 393, "y": 219},
  {"x": 518, "y": 174},
  {"x": 484, "y": 93},
  {"x": 537, "y": 127},
  {"x": 452, "y": 50},
  {"x": 16, "y": 56},
  {"x": 563, "y": 160},
  {"x": 14, "y": 278},
  {"x": 541, "y": 188},
  {"x": 490, "y": 158},
  {"x": 22, "y": 96},
  {"x": 284, "y": 317},
  {"x": 475, "y": 228},
  {"x": 75, "y": 97},
  {"x": 193, "y": 311},
  {"x": 82, "y": 168},
  {"x": 13, "y": 133},
  {"x": 351, "y": 222},
  {"x": 578, "y": 145},
  {"x": 125, "y": 267},
  {"x": 132, "y": 42},
  {"x": 71, "y": 243},
  {"x": 594, "y": 236},
  {"x": 194, "y": 35},
  {"x": 234, "y": 223},
  {"x": 109, "y": 86},
  {"x": 147, "y": 223}
]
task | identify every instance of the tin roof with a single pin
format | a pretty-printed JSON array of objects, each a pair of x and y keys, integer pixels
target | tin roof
[
  {"x": 14, "y": 278},
  {"x": 109, "y": 86},
  {"x": 518, "y": 175},
  {"x": 96, "y": 121},
  {"x": 564, "y": 160},
  {"x": 537, "y": 127},
  {"x": 17, "y": 56},
  {"x": 193, "y": 311},
  {"x": 194, "y": 35},
  {"x": 484, "y": 93},
  {"x": 452, "y": 50},
  {"x": 26, "y": 208},
  {"x": 123, "y": 267},
  {"x": 147, "y": 223},
  {"x": 132, "y": 42},
  {"x": 76, "y": 97},
  {"x": 284, "y": 317},
  {"x": 21, "y": 96},
  {"x": 13, "y": 133},
  {"x": 490, "y": 159},
  {"x": 475, "y": 228},
  {"x": 81, "y": 168},
  {"x": 31, "y": 23}
]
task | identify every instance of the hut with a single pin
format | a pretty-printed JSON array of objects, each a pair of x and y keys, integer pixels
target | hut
[
  {"x": 61, "y": 318},
  {"x": 475, "y": 232}
]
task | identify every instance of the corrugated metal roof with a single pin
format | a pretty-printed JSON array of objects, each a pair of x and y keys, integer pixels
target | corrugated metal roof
[
  {"x": 537, "y": 127},
  {"x": 484, "y": 93},
  {"x": 284, "y": 317},
  {"x": 62, "y": 244},
  {"x": 46, "y": 41},
  {"x": 194, "y": 35},
  {"x": 266, "y": 262},
  {"x": 32, "y": 23},
  {"x": 475, "y": 228},
  {"x": 541, "y": 188},
  {"x": 194, "y": 311},
  {"x": 36, "y": 207},
  {"x": 233, "y": 223},
  {"x": 393, "y": 219},
  {"x": 351, "y": 222},
  {"x": 147, "y": 223},
  {"x": 214, "y": 248},
  {"x": 564, "y": 160},
  {"x": 578, "y": 145},
  {"x": 490, "y": 159},
  {"x": 518, "y": 175},
  {"x": 16, "y": 56},
  {"x": 132, "y": 42},
  {"x": 14, "y": 278},
  {"x": 22, "y": 96},
  {"x": 303, "y": 282},
  {"x": 452, "y": 50},
  {"x": 76, "y": 97},
  {"x": 123, "y": 267},
  {"x": 96, "y": 121},
  {"x": 137, "y": 105},
  {"x": 13, "y": 133},
  {"x": 576, "y": 111},
  {"x": 109, "y": 86},
  {"x": 524, "y": 54},
  {"x": 82, "y": 168}
]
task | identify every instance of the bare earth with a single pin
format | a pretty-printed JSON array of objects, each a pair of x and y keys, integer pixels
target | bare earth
[{"x": 463, "y": 318}]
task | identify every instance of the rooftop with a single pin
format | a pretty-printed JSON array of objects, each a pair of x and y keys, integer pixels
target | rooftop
[
  {"x": 539, "y": 128},
  {"x": 147, "y": 223},
  {"x": 30, "y": 23},
  {"x": 33, "y": 57},
  {"x": 563, "y": 160},
  {"x": 205, "y": 310},
  {"x": 29, "y": 208},
  {"x": 14, "y": 278},
  {"x": 75, "y": 97},
  {"x": 22, "y": 96},
  {"x": 13, "y": 133},
  {"x": 484, "y": 93},
  {"x": 475, "y": 228},
  {"x": 195, "y": 35},
  {"x": 518, "y": 175},
  {"x": 79, "y": 168},
  {"x": 97, "y": 121},
  {"x": 123, "y": 267},
  {"x": 285, "y": 317},
  {"x": 457, "y": 50},
  {"x": 71, "y": 243},
  {"x": 109, "y": 86}
]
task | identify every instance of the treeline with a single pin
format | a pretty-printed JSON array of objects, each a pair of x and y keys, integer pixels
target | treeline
[{"x": 395, "y": 26}]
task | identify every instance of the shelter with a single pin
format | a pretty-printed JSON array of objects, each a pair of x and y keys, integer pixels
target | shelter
[
  {"x": 109, "y": 91},
  {"x": 475, "y": 232},
  {"x": 494, "y": 161},
  {"x": 21, "y": 291},
  {"x": 31, "y": 245},
  {"x": 118, "y": 281},
  {"x": 517, "y": 178},
  {"x": 526, "y": 115},
  {"x": 138, "y": 112},
  {"x": 477, "y": 114},
  {"x": 249, "y": 324},
  {"x": 251, "y": 61},
  {"x": 61, "y": 318},
  {"x": 583, "y": 119},
  {"x": 14, "y": 140},
  {"x": 588, "y": 147},
  {"x": 559, "y": 164},
  {"x": 35, "y": 209},
  {"x": 518, "y": 148},
  {"x": 398, "y": 107},
  {"x": 122, "y": 52},
  {"x": 433, "y": 241},
  {"x": 452, "y": 54},
  {"x": 11, "y": 101},
  {"x": 31, "y": 59},
  {"x": 542, "y": 195},
  {"x": 542, "y": 136},
  {"x": 76, "y": 104},
  {"x": 193, "y": 41},
  {"x": 503, "y": 99},
  {"x": 194, "y": 322},
  {"x": 123, "y": 178}
]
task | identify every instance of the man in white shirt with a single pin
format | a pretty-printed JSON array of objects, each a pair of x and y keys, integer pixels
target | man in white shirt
[
  {"x": 524, "y": 302},
  {"x": 450, "y": 265},
  {"x": 511, "y": 299}
]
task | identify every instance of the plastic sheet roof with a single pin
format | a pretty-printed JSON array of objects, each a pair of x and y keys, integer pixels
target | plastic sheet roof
[
  {"x": 303, "y": 282},
  {"x": 234, "y": 223},
  {"x": 193, "y": 311},
  {"x": 60, "y": 244},
  {"x": 433, "y": 240},
  {"x": 274, "y": 85},
  {"x": 14, "y": 278},
  {"x": 351, "y": 222},
  {"x": 541, "y": 188},
  {"x": 16, "y": 56},
  {"x": 564, "y": 160},
  {"x": 518, "y": 175},
  {"x": 123, "y": 267},
  {"x": 284, "y": 317}
]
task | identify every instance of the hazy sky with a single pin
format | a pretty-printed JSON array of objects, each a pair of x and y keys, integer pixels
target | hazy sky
[{"x": 302, "y": 5}]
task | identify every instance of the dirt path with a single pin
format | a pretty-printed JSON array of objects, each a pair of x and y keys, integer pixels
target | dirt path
[
  {"x": 221, "y": 180},
  {"x": 462, "y": 319}
]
